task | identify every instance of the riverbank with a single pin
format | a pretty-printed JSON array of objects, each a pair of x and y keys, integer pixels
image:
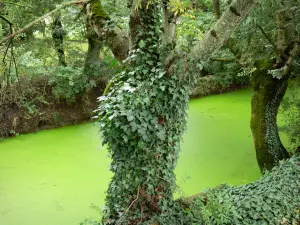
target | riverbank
[{"x": 30, "y": 105}]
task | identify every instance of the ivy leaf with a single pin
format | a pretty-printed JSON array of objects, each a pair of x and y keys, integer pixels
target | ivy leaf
[
  {"x": 133, "y": 126},
  {"x": 142, "y": 44},
  {"x": 161, "y": 134},
  {"x": 130, "y": 118},
  {"x": 162, "y": 87},
  {"x": 161, "y": 74}
]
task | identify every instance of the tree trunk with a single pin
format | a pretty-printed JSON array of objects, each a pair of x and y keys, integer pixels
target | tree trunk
[
  {"x": 169, "y": 26},
  {"x": 58, "y": 38},
  {"x": 143, "y": 117},
  {"x": 267, "y": 95},
  {"x": 92, "y": 58},
  {"x": 117, "y": 38},
  {"x": 269, "y": 92}
]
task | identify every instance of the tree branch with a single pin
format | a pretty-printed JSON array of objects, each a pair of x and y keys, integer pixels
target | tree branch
[
  {"x": 131, "y": 204},
  {"x": 6, "y": 20},
  {"x": 266, "y": 35},
  {"x": 294, "y": 52},
  {"x": 222, "y": 30},
  {"x": 223, "y": 59},
  {"x": 40, "y": 19}
]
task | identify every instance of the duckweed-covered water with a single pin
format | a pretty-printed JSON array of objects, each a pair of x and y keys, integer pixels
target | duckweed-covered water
[{"x": 53, "y": 177}]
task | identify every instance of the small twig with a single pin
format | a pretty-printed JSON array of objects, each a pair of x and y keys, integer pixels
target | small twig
[
  {"x": 223, "y": 59},
  {"x": 141, "y": 215},
  {"x": 266, "y": 35},
  {"x": 131, "y": 204},
  {"x": 6, "y": 20},
  {"x": 6, "y": 51},
  {"x": 15, "y": 63},
  {"x": 293, "y": 54},
  {"x": 164, "y": 179}
]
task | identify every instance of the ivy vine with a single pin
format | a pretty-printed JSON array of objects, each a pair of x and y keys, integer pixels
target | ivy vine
[{"x": 142, "y": 119}]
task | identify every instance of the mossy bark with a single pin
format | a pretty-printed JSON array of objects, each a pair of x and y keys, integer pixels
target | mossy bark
[
  {"x": 58, "y": 38},
  {"x": 116, "y": 38},
  {"x": 268, "y": 93},
  {"x": 92, "y": 57}
]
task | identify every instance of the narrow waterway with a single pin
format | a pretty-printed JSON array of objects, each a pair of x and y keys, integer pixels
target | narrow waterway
[{"x": 53, "y": 177}]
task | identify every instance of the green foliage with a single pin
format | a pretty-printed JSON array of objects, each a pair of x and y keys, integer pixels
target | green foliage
[
  {"x": 191, "y": 27},
  {"x": 67, "y": 82},
  {"x": 290, "y": 111},
  {"x": 215, "y": 84},
  {"x": 274, "y": 199},
  {"x": 98, "y": 12}
]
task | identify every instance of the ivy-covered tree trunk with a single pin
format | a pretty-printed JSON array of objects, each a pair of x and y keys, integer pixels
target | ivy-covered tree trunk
[
  {"x": 142, "y": 117},
  {"x": 58, "y": 34},
  {"x": 267, "y": 95},
  {"x": 142, "y": 120},
  {"x": 95, "y": 44}
]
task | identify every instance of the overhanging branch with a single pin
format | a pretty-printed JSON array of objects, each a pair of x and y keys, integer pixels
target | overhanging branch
[
  {"x": 222, "y": 30},
  {"x": 6, "y": 20},
  {"x": 294, "y": 52},
  {"x": 41, "y": 19}
]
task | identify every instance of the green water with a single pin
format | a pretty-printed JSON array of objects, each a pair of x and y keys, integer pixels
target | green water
[{"x": 53, "y": 176}]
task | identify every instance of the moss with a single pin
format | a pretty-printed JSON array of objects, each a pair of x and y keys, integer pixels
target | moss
[
  {"x": 98, "y": 12},
  {"x": 267, "y": 95}
]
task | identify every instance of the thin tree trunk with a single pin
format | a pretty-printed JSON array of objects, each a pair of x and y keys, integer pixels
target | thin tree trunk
[
  {"x": 58, "y": 39},
  {"x": 268, "y": 93},
  {"x": 92, "y": 57}
]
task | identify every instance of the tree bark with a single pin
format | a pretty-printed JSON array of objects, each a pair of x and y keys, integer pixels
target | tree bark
[
  {"x": 94, "y": 46},
  {"x": 268, "y": 93},
  {"x": 58, "y": 39},
  {"x": 216, "y": 6},
  {"x": 168, "y": 25},
  {"x": 118, "y": 42},
  {"x": 117, "y": 39},
  {"x": 222, "y": 30}
]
